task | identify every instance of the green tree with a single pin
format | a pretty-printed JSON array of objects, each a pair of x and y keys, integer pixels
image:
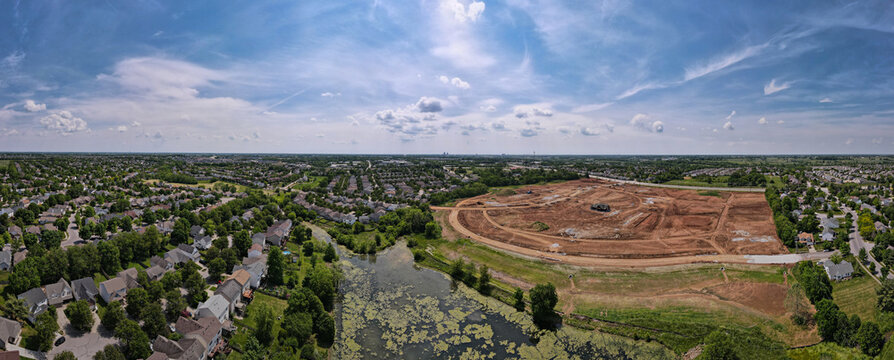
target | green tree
[
  {"x": 110, "y": 258},
  {"x": 112, "y": 316},
  {"x": 432, "y": 230},
  {"x": 137, "y": 299},
  {"x": 15, "y": 308},
  {"x": 869, "y": 338},
  {"x": 298, "y": 325},
  {"x": 826, "y": 318},
  {"x": 324, "y": 328},
  {"x": 174, "y": 304},
  {"x": 154, "y": 322},
  {"x": 519, "y": 299},
  {"x": 329, "y": 254},
  {"x": 253, "y": 349},
  {"x": 886, "y": 296},
  {"x": 110, "y": 352},
  {"x": 484, "y": 285},
  {"x": 719, "y": 346},
  {"x": 46, "y": 327},
  {"x": 242, "y": 242},
  {"x": 862, "y": 255},
  {"x": 65, "y": 355},
  {"x": 307, "y": 248},
  {"x": 322, "y": 283},
  {"x": 80, "y": 315},
  {"x": 134, "y": 341},
  {"x": 275, "y": 267},
  {"x": 543, "y": 301},
  {"x": 264, "y": 324},
  {"x": 180, "y": 233},
  {"x": 216, "y": 267}
]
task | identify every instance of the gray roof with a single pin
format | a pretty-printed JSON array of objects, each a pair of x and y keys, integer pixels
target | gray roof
[
  {"x": 56, "y": 292},
  {"x": 32, "y": 298},
  {"x": 9, "y": 329},
  {"x": 841, "y": 269},
  {"x": 229, "y": 290},
  {"x": 84, "y": 289},
  {"x": 155, "y": 272},
  {"x": 217, "y": 304},
  {"x": 6, "y": 257}
]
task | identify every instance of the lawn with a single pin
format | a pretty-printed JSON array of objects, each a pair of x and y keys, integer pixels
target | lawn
[
  {"x": 246, "y": 325},
  {"x": 4, "y": 163},
  {"x": 857, "y": 296},
  {"x": 313, "y": 183},
  {"x": 827, "y": 350}
]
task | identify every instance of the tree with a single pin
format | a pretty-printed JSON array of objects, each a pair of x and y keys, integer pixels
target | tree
[
  {"x": 298, "y": 325},
  {"x": 826, "y": 318},
  {"x": 137, "y": 299},
  {"x": 51, "y": 239},
  {"x": 174, "y": 304},
  {"x": 180, "y": 233},
  {"x": 65, "y": 355},
  {"x": 322, "y": 283},
  {"x": 324, "y": 328},
  {"x": 242, "y": 242},
  {"x": 329, "y": 255},
  {"x": 432, "y": 230},
  {"x": 869, "y": 338},
  {"x": 264, "y": 322},
  {"x": 307, "y": 248},
  {"x": 886, "y": 296},
  {"x": 46, "y": 327},
  {"x": 110, "y": 258},
  {"x": 110, "y": 352},
  {"x": 253, "y": 349},
  {"x": 112, "y": 316},
  {"x": 80, "y": 315},
  {"x": 275, "y": 267},
  {"x": 719, "y": 346},
  {"x": 216, "y": 267},
  {"x": 154, "y": 323},
  {"x": 862, "y": 255},
  {"x": 15, "y": 308},
  {"x": 519, "y": 299},
  {"x": 134, "y": 341},
  {"x": 543, "y": 301},
  {"x": 484, "y": 286}
]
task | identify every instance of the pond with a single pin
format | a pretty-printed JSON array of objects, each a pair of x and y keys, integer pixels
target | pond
[{"x": 390, "y": 308}]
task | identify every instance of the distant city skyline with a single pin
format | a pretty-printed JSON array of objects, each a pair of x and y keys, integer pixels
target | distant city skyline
[{"x": 462, "y": 77}]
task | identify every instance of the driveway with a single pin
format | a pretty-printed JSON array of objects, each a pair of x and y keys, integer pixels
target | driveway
[{"x": 83, "y": 345}]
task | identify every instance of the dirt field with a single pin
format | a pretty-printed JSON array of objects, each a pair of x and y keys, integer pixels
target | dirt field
[{"x": 644, "y": 223}]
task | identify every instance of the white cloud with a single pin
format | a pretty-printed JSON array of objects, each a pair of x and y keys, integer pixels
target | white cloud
[
  {"x": 32, "y": 106},
  {"x": 329, "y": 94},
  {"x": 772, "y": 88},
  {"x": 729, "y": 125},
  {"x": 528, "y": 132},
  {"x": 564, "y": 130},
  {"x": 457, "y": 82},
  {"x": 530, "y": 111},
  {"x": 780, "y": 122},
  {"x": 461, "y": 13},
  {"x": 588, "y": 131},
  {"x": 825, "y": 100},
  {"x": 762, "y": 121},
  {"x": 429, "y": 105},
  {"x": 644, "y": 122},
  {"x": 722, "y": 62},
  {"x": 730, "y": 116},
  {"x": 636, "y": 89},
  {"x": 135, "y": 124},
  {"x": 591, "y": 107},
  {"x": 63, "y": 122},
  {"x": 499, "y": 126},
  {"x": 121, "y": 128},
  {"x": 849, "y": 141},
  {"x": 162, "y": 78}
]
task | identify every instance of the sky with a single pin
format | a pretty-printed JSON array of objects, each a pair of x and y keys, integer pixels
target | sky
[{"x": 456, "y": 76}]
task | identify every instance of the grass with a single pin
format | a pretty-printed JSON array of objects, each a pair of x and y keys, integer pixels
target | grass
[
  {"x": 857, "y": 296},
  {"x": 4, "y": 163},
  {"x": 278, "y": 306},
  {"x": 829, "y": 350},
  {"x": 313, "y": 183}
]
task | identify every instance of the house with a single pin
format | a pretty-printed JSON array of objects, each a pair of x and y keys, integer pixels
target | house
[
  {"x": 158, "y": 261},
  {"x": 829, "y": 223},
  {"x": 217, "y": 306},
  {"x": 9, "y": 331},
  {"x": 254, "y": 251},
  {"x": 6, "y": 260},
  {"x": 840, "y": 271},
  {"x": 9, "y": 355},
  {"x": 203, "y": 242},
  {"x": 827, "y": 235},
  {"x": 85, "y": 289},
  {"x": 259, "y": 238},
  {"x": 155, "y": 272},
  {"x": 130, "y": 277},
  {"x": 805, "y": 238},
  {"x": 19, "y": 256},
  {"x": 231, "y": 291},
  {"x": 186, "y": 349},
  {"x": 35, "y": 301},
  {"x": 256, "y": 267},
  {"x": 279, "y": 232},
  {"x": 181, "y": 254},
  {"x": 880, "y": 227},
  {"x": 196, "y": 230},
  {"x": 15, "y": 231},
  {"x": 868, "y": 207},
  {"x": 206, "y": 331},
  {"x": 241, "y": 277},
  {"x": 113, "y": 289},
  {"x": 58, "y": 292}
]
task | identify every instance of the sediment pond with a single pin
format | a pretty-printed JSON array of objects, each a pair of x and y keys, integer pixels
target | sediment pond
[{"x": 389, "y": 308}]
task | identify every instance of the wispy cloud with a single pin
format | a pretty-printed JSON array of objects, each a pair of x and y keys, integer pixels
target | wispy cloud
[{"x": 772, "y": 87}]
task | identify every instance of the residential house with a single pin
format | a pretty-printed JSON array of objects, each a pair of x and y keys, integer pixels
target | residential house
[
  {"x": 279, "y": 232},
  {"x": 805, "y": 238},
  {"x": 840, "y": 271},
  {"x": 19, "y": 256},
  {"x": 35, "y": 301},
  {"x": 827, "y": 235},
  {"x": 113, "y": 289},
  {"x": 85, "y": 289},
  {"x": 158, "y": 261},
  {"x": 256, "y": 267},
  {"x": 58, "y": 292},
  {"x": 259, "y": 238},
  {"x": 155, "y": 272},
  {"x": 181, "y": 254},
  {"x": 130, "y": 277},
  {"x": 203, "y": 242},
  {"x": 829, "y": 223},
  {"x": 200, "y": 340},
  {"x": 6, "y": 260},
  {"x": 880, "y": 227},
  {"x": 196, "y": 230},
  {"x": 217, "y": 306},
  {"x": 9, "y": 331},
  {"x": 15, "y": 231},
  {"x": 241, "y": 277},
  {"x": 231, "y": 291},
  {"x": 254, "y": 251}
]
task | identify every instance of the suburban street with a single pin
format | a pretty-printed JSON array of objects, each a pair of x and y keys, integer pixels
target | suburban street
[
  {"x": 857, "y": 242},
  {"x": 72, "y": 236}
]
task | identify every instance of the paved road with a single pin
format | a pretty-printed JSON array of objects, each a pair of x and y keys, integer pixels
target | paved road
[
  {"x": 684, "y": 187},
  {"x": 83, "y": 345},
  {"x": 72, "y": 231},
  {"x": 857, "y": 242},
  {"x": 788, "y": 258}
]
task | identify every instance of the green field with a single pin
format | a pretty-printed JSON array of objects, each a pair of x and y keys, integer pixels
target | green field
[
  {"x": 720, "y": 182},
  {"x": 857, "y": 296},
  {"x": 827, "y": 350},
  {"x": 4, "y": 163},
  {"x": 313, "y": 183}
]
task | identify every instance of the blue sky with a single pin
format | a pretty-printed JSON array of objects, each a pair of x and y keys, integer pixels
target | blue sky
[{"x": 433, "y": 76}]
